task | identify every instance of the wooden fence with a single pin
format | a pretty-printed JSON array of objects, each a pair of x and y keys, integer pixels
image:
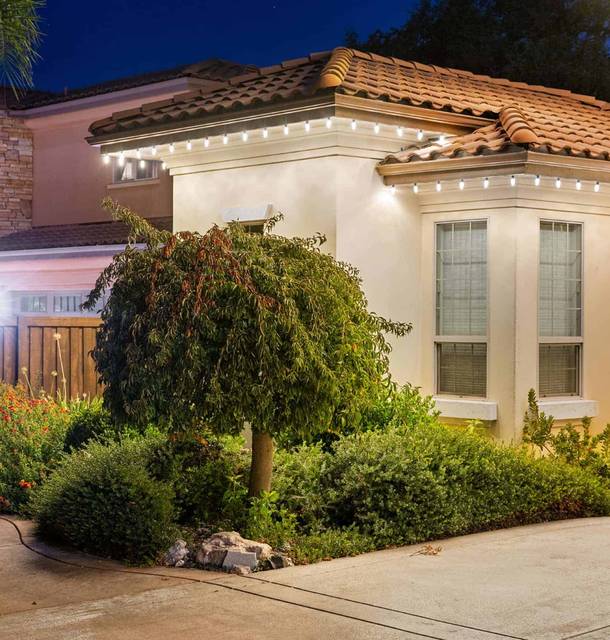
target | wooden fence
[{"x": 49, "y": 349}]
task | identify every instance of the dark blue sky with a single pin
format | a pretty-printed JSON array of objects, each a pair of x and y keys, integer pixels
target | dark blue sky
[{"x": 87, "y": 41}]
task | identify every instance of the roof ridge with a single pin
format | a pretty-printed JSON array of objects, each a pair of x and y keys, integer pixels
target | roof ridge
[
  {"x": 336, "y": 68},
  {"x": 566, "y": 93},
  {"x": 517, "y": 127}
]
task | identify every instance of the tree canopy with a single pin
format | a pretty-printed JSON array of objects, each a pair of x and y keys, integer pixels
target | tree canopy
[
  {"x": 557, "y": 43},
  {"x": 228, "y": 327}
]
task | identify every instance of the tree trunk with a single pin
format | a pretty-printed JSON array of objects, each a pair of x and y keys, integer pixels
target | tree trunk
[{"x": 262, "y": 463}]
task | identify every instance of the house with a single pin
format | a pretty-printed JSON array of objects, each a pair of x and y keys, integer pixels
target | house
[{"x": 476, "y": 208}]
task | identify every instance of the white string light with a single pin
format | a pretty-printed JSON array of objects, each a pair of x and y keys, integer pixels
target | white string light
[
  {"x": 537, "y": 181},
  {"x": 557, "y": 183},
  {"x": 354, "y": 125},
  {"x": 485, "y": 183},
  {"x": 171, "y": 147},
  {"x": 376, "y": 128},
  {"x": 244, "y": 136},
  {"x": 461, "y": 184},
  {"x": 399, "y": 132},
  {"x": 265, "y": 132},
  {"x": 329, "y": 122},
  {"x": 163, "y": 165},
  {"x": 513, "y": 181},
  {"x": 142, "y": 164},
  {"x": 578, "y": 185},
  {"x": 189, "y": 145},
  {"x": 285, "y": 129},
  {"x": 106, "y": 159},
  {"x": 153, "y": 150},
  {"x": 439, "y": 186},
  {"x": 420, "y": 135},
  {"x": 206, "y": 142},
  {"x": 138, "y": 154},
  {"x": 225, "y": 139},
  {"x": 416, "y": 188},
  {"x": 121, "y": 159},
  {"x": 393, "y": 189},
  {"x": 307, "y": 126},
  {"x": 596, "y": 186},
  {"x": 441, "y": 139}
]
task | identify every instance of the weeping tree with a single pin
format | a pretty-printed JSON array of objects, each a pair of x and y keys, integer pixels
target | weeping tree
[{"x": 229, "y": 327}]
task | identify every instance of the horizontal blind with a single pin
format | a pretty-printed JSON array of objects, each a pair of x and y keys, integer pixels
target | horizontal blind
[
  {"x": 462, "y": 368},
  {"x": 559, "y": 366},
  {"x": 461, "y": 279}
]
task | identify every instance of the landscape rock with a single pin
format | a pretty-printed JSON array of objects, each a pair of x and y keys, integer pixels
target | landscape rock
[
  {"x": 279, "y": 561},
  {"x": 176, "y": 554},
  {"x": 240, "y": 570},
  {"x": 240, "y": 559},
  {"x": 214, "y": 551},
  {"x": 209, "y": 555}
]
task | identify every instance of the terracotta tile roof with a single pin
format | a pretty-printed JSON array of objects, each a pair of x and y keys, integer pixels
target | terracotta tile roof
[
  {"x": 553, "y": 120},
  {"x": 213, "y": 69},
  {"x": 73, "y": 235}
]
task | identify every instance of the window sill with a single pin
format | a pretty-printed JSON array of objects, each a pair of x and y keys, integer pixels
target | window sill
[
  {"x": 568, "y": 408},
  {"x": 467, "y": 409},
  {"x": 133, "y": 183}
]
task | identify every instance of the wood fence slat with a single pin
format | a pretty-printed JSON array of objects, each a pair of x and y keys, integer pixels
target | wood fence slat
[
  {"x": 76, "y": 362},
  {"x": 35, "y": 357},
  {"x": 89, "y": 374},
  {"x": 49, "y": 361},
  {"x": 9, "y": 365}
]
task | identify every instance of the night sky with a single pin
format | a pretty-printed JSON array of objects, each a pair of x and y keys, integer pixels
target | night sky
[{"x": 88, "y": 41}]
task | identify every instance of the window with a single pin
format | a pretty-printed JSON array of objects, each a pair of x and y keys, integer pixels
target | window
[
  {"x": 461, "y": 308},
  {"x": 134, "y": 169},
  {"x": 254, "y": 227},
  {"x": 560, "y": 309},
  {"x": 33, "y": 304},
  {"x": 52, "y": 303}
]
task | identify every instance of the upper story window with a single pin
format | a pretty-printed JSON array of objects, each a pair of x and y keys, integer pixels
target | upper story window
[
  {"x": 58, "y": 303},
  {"x": 134, "y": 169},
  {"x": 461, "y": 308},
  {"x": 560, "y": 309}
]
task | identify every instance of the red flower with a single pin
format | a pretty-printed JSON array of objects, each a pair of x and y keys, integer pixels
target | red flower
[{"x": 24, "y": 484}]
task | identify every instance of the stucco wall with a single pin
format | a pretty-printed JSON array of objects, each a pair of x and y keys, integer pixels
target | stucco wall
[{"x": 15, "y": 175}]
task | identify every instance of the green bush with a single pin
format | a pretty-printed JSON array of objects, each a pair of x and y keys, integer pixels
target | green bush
[
  {"x": 32, "y": 433},
  {"x": 88, "y": 421},
  {"x": 330, "y": 543},
  {"x": 105, "y": 500},
  {"x": 410, "y": 484}
]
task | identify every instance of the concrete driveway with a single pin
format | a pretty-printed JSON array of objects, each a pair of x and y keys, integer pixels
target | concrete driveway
[{"x": 542, "y": 582}]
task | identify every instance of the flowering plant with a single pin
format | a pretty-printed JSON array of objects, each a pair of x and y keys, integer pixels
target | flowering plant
[{"x": 32, "y": 432}]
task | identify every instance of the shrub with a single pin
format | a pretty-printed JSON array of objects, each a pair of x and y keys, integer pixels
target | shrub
[
  {"x": 412, "y": 484},
  {"x": 105, "y": 500},
  {"x": 572, "y": 444},
  {"x": 31, "y": 443},
  {"x": 329, "y": 544},
  {"x": 89, "y": 421},
  {"x": 269, "y": 523}
]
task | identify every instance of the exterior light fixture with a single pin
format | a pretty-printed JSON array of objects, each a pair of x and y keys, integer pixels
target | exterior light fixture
[
  {"x": 206, "y": 142},
  {"x": 393, "y": 189},
  {"x": 557, "y": 183},
  {"x": 244, "y": 136},
  {"x": 138, "y": 154},
  {"x": 172, "y": 148},
  {"x": 163, "y": 165},
  {"x": 153, "y": 150},
  {"x": 485, "y": 183},
  {"x": 265, "y": 132},
  {"x": 121, "y": 159},
  {"x": 578, "y": 185},
  {"x": 329, "y": 122},
  {"x": 376, "y": 128},
  {"x": 420, "y": 135},
  {"x": 106, "y": 159},
  {"x": 307, "y": 126},
  {"x": 416, "y": 188},
  {"x": 225, "y": 139},
  {"x": 439, "y": 186},
  {"x": 513, "y": 181},
  {"x": 285, "y": 129},
  {"x": 537, "y": 181},
  {"x": 596, "y": 187},
  {"x": 142, "y": 164},
  {"x": 461, "y": 184},
  {"x": 189, "y": 145},
  {"x": 354, "y": 125},
  {"x": 399, "y": 132}
]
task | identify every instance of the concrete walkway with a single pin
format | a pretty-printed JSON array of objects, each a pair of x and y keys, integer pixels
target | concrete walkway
[{"x": 542, "y": 582}]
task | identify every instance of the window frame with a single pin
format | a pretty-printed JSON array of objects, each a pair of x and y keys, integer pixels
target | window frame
[
  {"x": 156, "y": 164},
  {"x": 468, "y": 339},
  {"x": 577, "y": 341},
  {"x": 16, "y": 297}
]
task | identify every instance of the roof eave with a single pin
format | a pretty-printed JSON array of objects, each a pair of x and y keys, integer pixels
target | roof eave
[{"x": 519, "y": 162}]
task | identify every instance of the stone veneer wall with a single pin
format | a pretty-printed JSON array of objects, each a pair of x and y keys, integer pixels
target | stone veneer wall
[{"x": 16, "y": 175}]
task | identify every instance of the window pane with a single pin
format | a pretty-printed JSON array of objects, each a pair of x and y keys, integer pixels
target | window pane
[
  {"x": 67, "y": 303},
  {"x": 33, "y": 304},
  {"x": 560, "y": 300},
  {"x": 559, "y": 373},
  {"x": 134, "y": 169},
  {"x": 462, "y": 368},
  {"x": 461, "y": 284}
]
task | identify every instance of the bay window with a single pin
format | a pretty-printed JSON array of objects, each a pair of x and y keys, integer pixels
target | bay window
[
  {"x": 560, "y": 309},
  {"x": 461, "y": 308}
]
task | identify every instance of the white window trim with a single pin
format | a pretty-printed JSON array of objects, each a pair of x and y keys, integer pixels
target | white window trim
[
  {"x": 466, "y": 409},
  {"x": 569, "y": 408}
]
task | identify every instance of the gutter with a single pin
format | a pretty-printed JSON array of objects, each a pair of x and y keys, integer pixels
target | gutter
[{"x": 56, "y": 252}]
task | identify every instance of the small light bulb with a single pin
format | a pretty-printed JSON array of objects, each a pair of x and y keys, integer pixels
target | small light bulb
[
  {"x": 439, "y": 186},
  {"x": 461, "y": 184},
  {"x": 354, "y": 125},
  {"x": 578, "y": 185},
  {"x": 420, "y": 135},
  {"x": 393, "y": 189},
  {"x": 376, "y": 127},
  {"x": 244, "y": 136},
  {"x": 329, "y": 122},
  {"x": 206, "y": 142},
  {"x": 513, "y": 181},
  {"x": 189, "y": 145},
  {"x": 172, "y": 148},
  {"x": 286, "y": 130},
  {"x": 142, "y": 164},
  {"x": 557, "y": 183},
  {"x": 596, "y": 187},
  {"x": 163, "y": 165},
  {"x": 153, "y": 150},
  {"x": 106, "y": 158},
  {"x": 441, "y": 139},
  {"x": 307, "y": 126},
  {"x": 225, "y": 139},
  {"x": 416, "y": 188},
  {"x": 485, "y": 183},
  {"x": 138, "y": 154},
  {"x": 121, "y": 159},
  {"x": 399, "y": 132},
  {"x": 537, "y": 181},
  {"x": 265, "y": 132}
]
